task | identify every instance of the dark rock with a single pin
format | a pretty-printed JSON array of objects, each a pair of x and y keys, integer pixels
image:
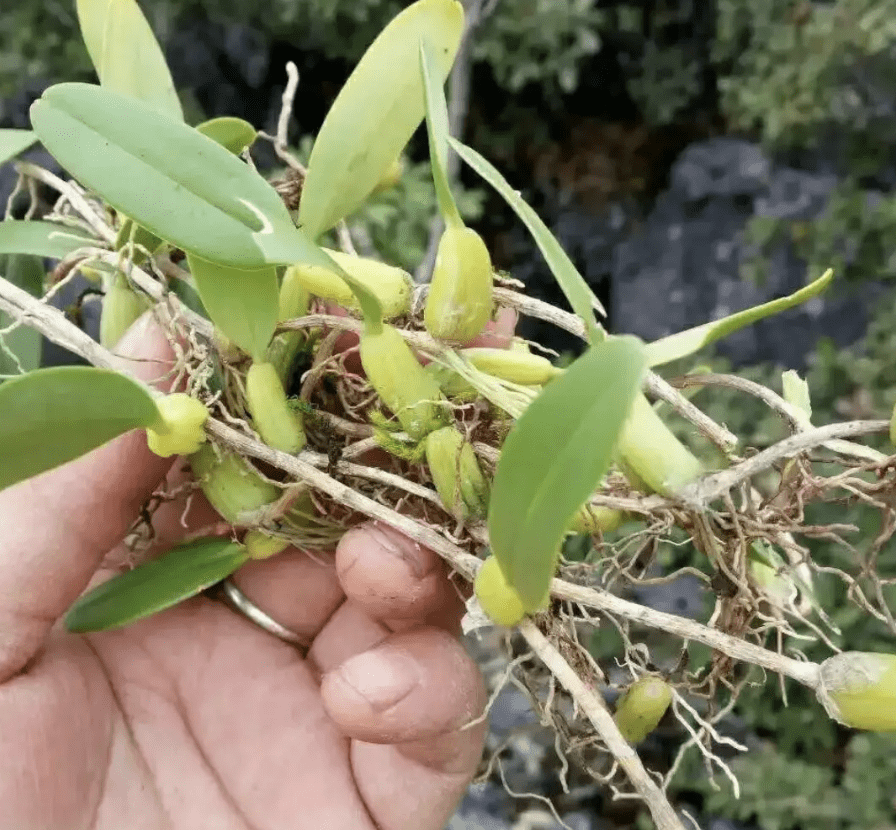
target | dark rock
[
  {"x": 484, "y": 807},
  {"x": 685, "y": 596},
  {"x": 724, "y": 824},
  {"x": 581, "y": 820},
  {"x": 510, "y": 711},
  {"x": 720, "y": 167},
  {"x": 795, "y": 194},
  {"x": 682, "y": 268}
]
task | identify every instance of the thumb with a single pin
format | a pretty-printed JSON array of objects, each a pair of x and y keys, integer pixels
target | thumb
[{"x": 58, "y": 526}]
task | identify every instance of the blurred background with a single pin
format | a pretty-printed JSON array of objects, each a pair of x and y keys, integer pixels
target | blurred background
[{"x": 694, "y": 157}]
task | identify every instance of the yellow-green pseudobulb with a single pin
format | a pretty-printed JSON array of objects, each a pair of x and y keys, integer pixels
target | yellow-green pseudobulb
[
  {"x": 261, "y": 545},
  {"x": 595, "y": 518},
  {"x": 770, "y": 576},
  {"x": 230, "y": 484},
  {"x": 858, "y": 689},
  {"x": 651, "y": 455},
  {"x": 392, "y": 286},
  {"x": 293, "y": 302},
  {"x": 499, "y": 600},
  {"x": 641, "y": 707},
  {"x": 521, "y": 367},
  {"x": 455, "y": 471},
  {"x": 180, "y": 429},
  {"x": 121, "y": 307},
  {"x": 459, "y": 303},
  {"x": 278, "y": 426},
  {"x": 401, "y": 382}
]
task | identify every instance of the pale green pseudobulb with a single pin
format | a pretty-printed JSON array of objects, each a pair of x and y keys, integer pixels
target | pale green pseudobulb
[
  {"x": 121, "y": 308},
  {"x": 651, "y": 455},
  {"x": 500, "y": 602},
  {"x": 230, "y": 484},
  {"x": 521, "y": 367},
  {"x": 406, "y": 389},
  {"x": 455, "y": 471},
  {"x": 858, "y": 689},
  {"x": 595, "y": 518},
  {"x": 180, "y": 428},
  {"x": 641, "y": 707},
  {"x": 261, "y": 545},
  {"x": 392, "y": 286},
  {"x": 278, "y": 425},
  {"x": 459, "y": 303}
]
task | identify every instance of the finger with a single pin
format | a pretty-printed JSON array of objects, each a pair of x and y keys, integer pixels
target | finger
[
  {"x": 58, "y": 526},
  {"x": 498, "y": 333},
  {"x": 299, "y": 590},
  {"x": 394, "y": 579},
  {"x": 346, "y": 341},
  {"x": 405, "y": 703},
  {"x": 393, "y": 583}
]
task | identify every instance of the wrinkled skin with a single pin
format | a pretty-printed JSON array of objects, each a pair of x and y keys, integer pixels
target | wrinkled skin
[{"x": 195, "y": 718}]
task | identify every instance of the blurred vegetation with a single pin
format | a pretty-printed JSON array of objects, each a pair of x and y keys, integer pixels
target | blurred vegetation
[{"x": 816, "y": 83}]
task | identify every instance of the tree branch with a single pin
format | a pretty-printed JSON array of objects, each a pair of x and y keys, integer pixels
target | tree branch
[
  {"x": 796, "y": 419},
  {"x": 703, "y": 492}
]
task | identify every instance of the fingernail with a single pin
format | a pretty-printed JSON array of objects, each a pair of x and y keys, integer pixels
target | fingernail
[
  {"x": 400, "y": 546},
  {"x": 382, "y": 677}
]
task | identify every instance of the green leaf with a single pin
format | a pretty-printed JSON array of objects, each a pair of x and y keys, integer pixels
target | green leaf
[
  {"x": 685, "y": 343},
  {"x": 181, "y": 573},
  {"x": 376, "y": 112},
  {"x": 437, "y": 130},
  {"x": 192, "y": 192},
  {"x": 168, "y": 177},
  {"x": 131, "y": 232},
  {"x": 51, "y": 416},
  {"x": 555, "y": 456},
  {"x": 126, "y": 54},
  {"x": 13, "y": 142},
  {"x": 23, "y": 342},
  {"x": 244, "y": 305},
  {"x": 573, "y": 284},
  {"x": 233, "y": 134},
  {"x": 185, "y": 291},
  {"x": 43, "y": 239},
  {"x": 796, "y": 393}
]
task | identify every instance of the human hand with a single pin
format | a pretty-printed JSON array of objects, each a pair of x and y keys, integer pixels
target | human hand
[{"x": 195, "y": 718}]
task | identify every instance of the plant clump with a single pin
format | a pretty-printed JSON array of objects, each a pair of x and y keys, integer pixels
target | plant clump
[{"x": 560, "y": 493}]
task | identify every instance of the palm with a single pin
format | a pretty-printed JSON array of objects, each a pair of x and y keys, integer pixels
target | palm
[
  {"x": 228, "y": 723},
  {"x": 169, "y": 731}
]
